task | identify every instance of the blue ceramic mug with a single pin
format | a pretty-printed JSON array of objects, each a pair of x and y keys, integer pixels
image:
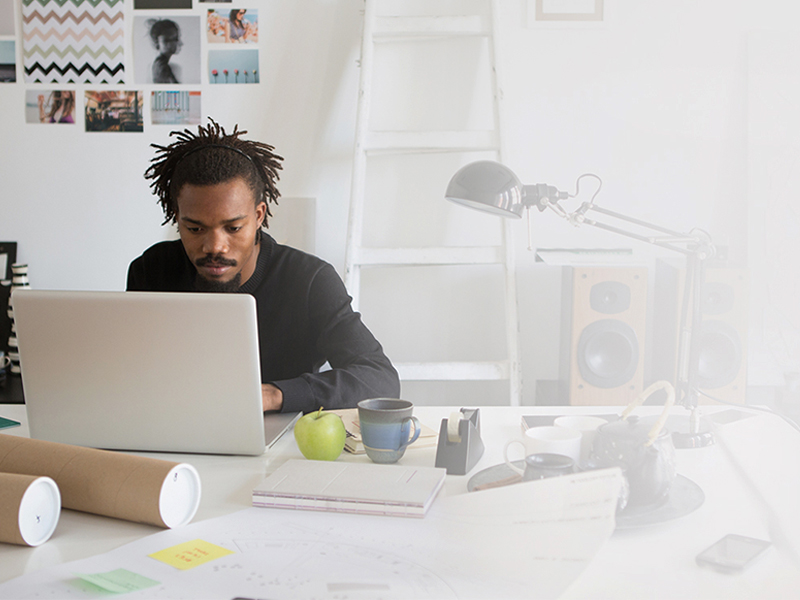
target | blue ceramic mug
[{"x": 386, "y": 428}]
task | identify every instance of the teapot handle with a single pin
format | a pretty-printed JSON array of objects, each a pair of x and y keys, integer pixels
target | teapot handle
[{"x": 658, "y": 385}]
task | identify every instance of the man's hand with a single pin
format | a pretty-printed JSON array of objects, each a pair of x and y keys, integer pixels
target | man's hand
[{"x": 271, "y": 397}]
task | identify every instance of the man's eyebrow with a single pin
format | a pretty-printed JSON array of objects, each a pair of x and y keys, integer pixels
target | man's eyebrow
[{"x": 226, "y": 222}]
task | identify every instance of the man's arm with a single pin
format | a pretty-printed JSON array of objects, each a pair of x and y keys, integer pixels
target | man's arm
[{"x": 359, "y": 367}]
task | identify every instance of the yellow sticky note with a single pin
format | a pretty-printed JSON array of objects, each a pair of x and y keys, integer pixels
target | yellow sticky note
[{"x": 190, "y": 554}]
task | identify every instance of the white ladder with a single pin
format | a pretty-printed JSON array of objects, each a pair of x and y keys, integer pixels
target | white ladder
[{"x": 407, "y": 30}]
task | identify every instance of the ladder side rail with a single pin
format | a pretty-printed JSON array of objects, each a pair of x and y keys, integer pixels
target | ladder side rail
[
  {"x": 512, "y": 309},
  {"x": 355, "y": 221}
]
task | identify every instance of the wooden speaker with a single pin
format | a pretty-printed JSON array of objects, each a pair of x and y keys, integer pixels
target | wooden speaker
[
  {"x": 722, "y": 339},
  {"x": 603, "y": 323}
]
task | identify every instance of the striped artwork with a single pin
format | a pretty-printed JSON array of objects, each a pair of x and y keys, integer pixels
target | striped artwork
[{"x": 73, "y": 41}]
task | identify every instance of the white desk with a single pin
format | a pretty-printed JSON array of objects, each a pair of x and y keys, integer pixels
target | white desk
[{"x": 657, "y": 561}]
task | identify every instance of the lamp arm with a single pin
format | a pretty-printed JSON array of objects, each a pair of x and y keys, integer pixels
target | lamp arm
[
  {"x": 635, "y": 221},
  {"x": 636, "y": 236},
  {"x": 695, "y": 244}
]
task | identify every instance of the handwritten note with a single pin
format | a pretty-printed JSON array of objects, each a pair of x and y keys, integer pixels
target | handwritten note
[
  {"x": 190, "y": 554},
  {"x": 118, "y": 581}
]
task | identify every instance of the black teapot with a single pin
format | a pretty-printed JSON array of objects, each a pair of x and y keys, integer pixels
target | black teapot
[{"x": 642, "y": 449}]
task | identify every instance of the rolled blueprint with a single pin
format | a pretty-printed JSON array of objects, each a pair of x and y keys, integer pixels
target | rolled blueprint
[
  {"x": 29, "y": 509},
  {"x": 134, "y": 488}
]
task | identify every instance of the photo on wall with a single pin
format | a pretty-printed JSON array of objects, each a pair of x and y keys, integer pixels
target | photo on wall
[
  {"x": 114, "y": 111},
  {"x": 175, "y": 108},
  {"x": 233, "y": 66},
  {"x": 8, "y": 61},
  {"x": 166, "y": 50},
  {"x": 50, "y": 106},
  {"x": 7, "y": 17},
  {"x": 237, "y": 26},
  {"x": 145, "y": 4},
  {"x": 80, "y": 41}
]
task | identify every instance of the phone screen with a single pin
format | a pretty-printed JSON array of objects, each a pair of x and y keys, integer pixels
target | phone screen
[{"x": 732, "y": 553}]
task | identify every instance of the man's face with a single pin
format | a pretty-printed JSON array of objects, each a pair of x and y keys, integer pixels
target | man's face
[{"x": 218, "y": 225}]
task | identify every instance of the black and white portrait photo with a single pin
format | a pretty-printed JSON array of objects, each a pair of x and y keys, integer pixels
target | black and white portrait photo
[{"x": 166, "y": 49}]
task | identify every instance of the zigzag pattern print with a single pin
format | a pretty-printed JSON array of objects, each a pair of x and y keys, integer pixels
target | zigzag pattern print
[{"x": 73, "y": 41}]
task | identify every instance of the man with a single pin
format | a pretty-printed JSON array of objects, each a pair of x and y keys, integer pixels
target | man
[{"x": 216, "y": 188}]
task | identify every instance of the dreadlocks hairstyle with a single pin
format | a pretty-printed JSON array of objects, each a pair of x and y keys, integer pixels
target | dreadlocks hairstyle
[{"x": 211, "y": 157}]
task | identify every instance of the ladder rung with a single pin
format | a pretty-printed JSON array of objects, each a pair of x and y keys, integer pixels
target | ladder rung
[
  {"x": 453, "y": 371},
  {"x": 398, "y": 141},
  {"x": 399, "y": 27},
  {"x": 470, "y": 255}
]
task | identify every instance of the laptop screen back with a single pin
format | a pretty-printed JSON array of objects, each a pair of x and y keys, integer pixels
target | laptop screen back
[{"x": 170, "y": 372}]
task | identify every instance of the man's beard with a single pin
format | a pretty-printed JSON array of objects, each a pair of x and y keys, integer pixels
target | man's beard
[{"x": 201, "y": 284}]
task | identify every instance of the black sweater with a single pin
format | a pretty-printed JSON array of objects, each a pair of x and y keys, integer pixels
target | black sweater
[{"x": 304, "y": 320}]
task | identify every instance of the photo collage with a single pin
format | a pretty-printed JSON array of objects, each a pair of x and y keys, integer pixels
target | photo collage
[{"x": 72, "y": 58}]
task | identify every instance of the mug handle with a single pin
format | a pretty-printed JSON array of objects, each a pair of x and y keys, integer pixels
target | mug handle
[
  {"x": 514, "y": 467},
  {"x": 413, "y": 438}
]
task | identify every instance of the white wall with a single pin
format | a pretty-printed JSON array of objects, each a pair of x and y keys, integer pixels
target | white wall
[{"x": 654, "y": 100}]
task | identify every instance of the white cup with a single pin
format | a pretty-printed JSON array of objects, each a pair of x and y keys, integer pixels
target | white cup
[
  {"x": 548, "y": 439},
  {"x": 587, "y": 426}
]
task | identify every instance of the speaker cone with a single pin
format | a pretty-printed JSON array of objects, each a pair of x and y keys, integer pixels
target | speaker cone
[
  {"x": 610, "y": 297},
  {"x": 719, "y": 354},
  {"x": 608, "y": 353}
]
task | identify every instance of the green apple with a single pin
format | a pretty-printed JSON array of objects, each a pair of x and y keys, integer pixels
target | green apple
[{"x": 320, "y": 436}]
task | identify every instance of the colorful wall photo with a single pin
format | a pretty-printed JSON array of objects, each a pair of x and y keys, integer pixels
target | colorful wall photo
[
  {"x": 8, "y": 61},
  {"x": 80, "y": 41},
  {"x": 233, "y": 66},
  {"x": 50, "y": 106},
  {"x": 237, "y": 26},
  {"x": 114, "y": 111},
  {"x": 166, "y": 50},
  {"x": 175, "y": 108}
]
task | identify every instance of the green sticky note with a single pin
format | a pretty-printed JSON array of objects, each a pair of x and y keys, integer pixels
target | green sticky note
[
  {"x": 118, "y": 581},
  {"x": 7, "y": 423}
]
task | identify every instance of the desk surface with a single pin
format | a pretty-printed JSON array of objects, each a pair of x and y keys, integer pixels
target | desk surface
[{"x": 759, "y": 461}]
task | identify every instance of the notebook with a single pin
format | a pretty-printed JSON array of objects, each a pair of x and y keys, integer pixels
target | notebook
[
  {"x": 338, "y": 486},
  {"x": 147, "y": 371}
]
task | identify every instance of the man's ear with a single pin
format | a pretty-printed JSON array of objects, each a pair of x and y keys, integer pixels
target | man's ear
[{"x": 261, "y": 210}]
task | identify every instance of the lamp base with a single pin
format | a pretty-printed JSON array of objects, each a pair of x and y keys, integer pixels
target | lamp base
[{"x": 686, "y": 435}]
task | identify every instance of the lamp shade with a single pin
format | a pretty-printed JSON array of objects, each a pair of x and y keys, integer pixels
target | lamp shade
[{"x": 488, "y": 186}]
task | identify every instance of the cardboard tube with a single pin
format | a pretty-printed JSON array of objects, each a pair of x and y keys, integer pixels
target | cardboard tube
[
  {"x": 134, "y": 488},
  {"x": 29, "y": 509}
]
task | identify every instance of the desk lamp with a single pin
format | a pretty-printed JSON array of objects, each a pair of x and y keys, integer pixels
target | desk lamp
[{"x": 492, "y": 187}]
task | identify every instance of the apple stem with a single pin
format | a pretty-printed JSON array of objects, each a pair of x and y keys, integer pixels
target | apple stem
[{"x": 319, "y": 413}]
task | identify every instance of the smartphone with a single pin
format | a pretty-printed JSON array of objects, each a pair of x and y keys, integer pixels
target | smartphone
[{"x": 732, "y": 553}]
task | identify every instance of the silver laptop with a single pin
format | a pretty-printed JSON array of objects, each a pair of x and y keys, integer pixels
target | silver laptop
[{"x": 165, "y": 372}]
